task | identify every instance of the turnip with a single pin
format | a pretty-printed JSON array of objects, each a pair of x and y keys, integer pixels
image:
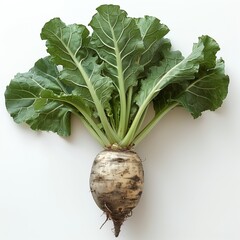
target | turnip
[
  {"x": 109, "y": 79},
  {"x": 116, "y": 183}
]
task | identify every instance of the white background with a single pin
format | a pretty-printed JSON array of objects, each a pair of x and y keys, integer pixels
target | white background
[{"x": 192, "y": 167}]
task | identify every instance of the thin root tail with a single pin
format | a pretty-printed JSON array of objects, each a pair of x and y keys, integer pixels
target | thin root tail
[{"x": 117, "y": 227}]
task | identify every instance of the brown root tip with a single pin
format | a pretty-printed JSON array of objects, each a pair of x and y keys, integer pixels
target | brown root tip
[{"x": 117, "y": 227}]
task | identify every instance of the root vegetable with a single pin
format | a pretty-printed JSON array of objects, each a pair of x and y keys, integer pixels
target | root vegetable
[
  {"x": 116, "y": 183},
  {"x": 108, "y": 77}
]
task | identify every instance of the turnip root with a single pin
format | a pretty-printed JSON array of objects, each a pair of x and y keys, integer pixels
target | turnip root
[{"x": 116, "y": 183}]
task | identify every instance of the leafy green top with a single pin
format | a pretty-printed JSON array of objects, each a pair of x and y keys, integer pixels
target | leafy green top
[{"x": 110, "y": 77}]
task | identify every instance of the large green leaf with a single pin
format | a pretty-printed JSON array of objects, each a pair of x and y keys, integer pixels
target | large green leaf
[
  {"x": 67, "y": 46},
  {"x": 117, "y": 40},
  {"x": 206, "y": 92},
  {"x": 173, "y": 68},
  {"x": 24, "y": 103}
]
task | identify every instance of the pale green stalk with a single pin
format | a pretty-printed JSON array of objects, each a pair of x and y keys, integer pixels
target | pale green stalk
[
  {"x": 129, "y": 104},
  {"x": 148, "y": 128},
  {"x": 99, "y": 136},
  {"x": 111, "y": 135},
  {"x": 135, "y": 124},
  {"x": 122, "y": 95}
]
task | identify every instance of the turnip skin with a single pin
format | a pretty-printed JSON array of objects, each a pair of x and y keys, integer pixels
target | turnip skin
[{"x": 116, "y": 184}]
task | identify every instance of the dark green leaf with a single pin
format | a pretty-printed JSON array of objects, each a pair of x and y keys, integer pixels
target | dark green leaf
[
  {"x": 174, "y": 69},
  {"x": 117, "y": 40},
  {"x": 206, "y": 92},
  {"x": 66, "y": 44},
  {"x": 81, "y": 72},
  {"x": 102, "y": 85},
  {"x": 152, "y": 33},
  {"x": 155, "y": 81},
  {"x": 25, "y": 104}
]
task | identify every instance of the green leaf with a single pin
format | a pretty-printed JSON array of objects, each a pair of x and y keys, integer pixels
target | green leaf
[
  {"x": 210, "y": 50},
  {"x": 117, "y": 40},
  {"x": 155, "y": 80},
  {"x": 24, "y": 103},
  {"x": 73, "y": 100},
  {"x": 152, "y": 33},
  {"x": 67, "y": 46},
  {"x": 103, "y": 85},
  {"x": 54, "y": 117},
  {"x": 206, "y": 92},
  {"x": 173, "y": 69}
]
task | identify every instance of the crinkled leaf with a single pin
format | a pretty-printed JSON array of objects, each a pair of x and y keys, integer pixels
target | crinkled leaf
[
  {"x": 54, "y": 117},
  {"x": 66, "y": 44},
  {"x": 211, "y": 47},
  {"x": 206, "y": 92},
  {"x": 81, "y": 72},
  {"x": 155, "y": 81},
  {"x": 117, "y": 40},
  {"x": 24, "y": 102},
  {"x": 152, "y": 33},
  {"x": 173, "y": 68}
]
